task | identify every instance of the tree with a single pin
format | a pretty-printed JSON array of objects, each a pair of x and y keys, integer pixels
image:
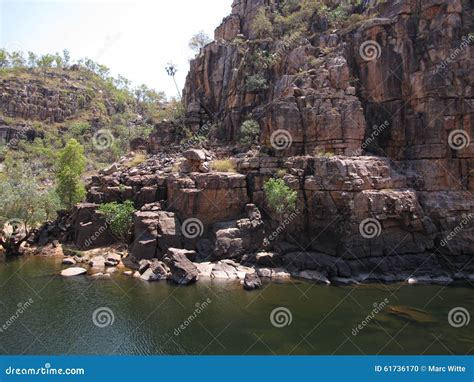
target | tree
[
  {"x": 3, "y": 58},
  {"x": 70, "y": 166},
  {"x": 199, "y": 41},
  {"x": 23, "y": 205},
  {"x": 119, "y": 218},
  {"x": 45, "y": 61},
  {"x": 66, "y": 57},
  {"x": 280, "y": 198},
  {"x": 32, "y": 58},
  {"x": 261, "y": 24},
  {"x": 172, "y": 69},
  {"x": 16, "y": 59},
  {"x": 249, "y": 132}
]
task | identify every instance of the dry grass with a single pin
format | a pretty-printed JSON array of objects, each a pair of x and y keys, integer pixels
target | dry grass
[{"x": 223, "y": 165}]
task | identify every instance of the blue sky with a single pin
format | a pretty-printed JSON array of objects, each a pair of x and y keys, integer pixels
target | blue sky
[{"x": 134, "y": 38}]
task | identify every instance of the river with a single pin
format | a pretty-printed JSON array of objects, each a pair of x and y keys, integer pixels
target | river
[{"x": 44, "y": 313}]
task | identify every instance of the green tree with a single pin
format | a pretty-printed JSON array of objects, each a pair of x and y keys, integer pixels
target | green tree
[
  {"x": 261, "y": 24},
  {"x": 199, "y": 41},
  {"x": 279, "y": 197},
  {"x": 45, "y": 61},
  {"x": 119, "y": 218},
  {"x": 249, "y": 132},
  {"x": 66, "y": 57},
  {"x": 16, "y": 59},
  {"x": 3, "y": 58},
  {"x": 23, "y": 205},
  {"x": 70, "y": 166},
  {"x": 32, "y": 59}
]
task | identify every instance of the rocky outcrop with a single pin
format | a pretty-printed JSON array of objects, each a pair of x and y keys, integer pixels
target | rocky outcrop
[{"x": 363, "y": 135}]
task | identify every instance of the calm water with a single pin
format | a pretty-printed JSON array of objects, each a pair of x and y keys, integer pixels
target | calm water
[{"x": 60, "y": 318}]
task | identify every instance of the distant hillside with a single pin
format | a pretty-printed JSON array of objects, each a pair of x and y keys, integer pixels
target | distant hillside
[{"x": 42, "y": 106}]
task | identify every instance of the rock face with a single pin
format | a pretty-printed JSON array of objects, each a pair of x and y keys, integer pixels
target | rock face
[{"x": 369, "y": 124}]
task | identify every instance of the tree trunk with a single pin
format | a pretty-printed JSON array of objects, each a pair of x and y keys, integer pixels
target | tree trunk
[{"x": 12, "y": 245}]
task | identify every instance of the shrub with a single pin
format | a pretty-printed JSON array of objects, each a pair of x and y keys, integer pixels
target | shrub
[
  {"x": 223, "y": 165},
  {"x": 280, "y": 198},
  {"x": 249, "y": 132},
  {"x": 119, "y": 218},
  {"x": 318, "y": 153},
  {"x": 139, "y": 158},
  {"x": 256, "y": 82},
  {"x": 261, "y": 24},
  {"x": 70, "y": 166}
]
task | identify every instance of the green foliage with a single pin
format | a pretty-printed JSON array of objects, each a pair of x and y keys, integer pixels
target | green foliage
[
  {"x": 21, "y": 198},
  {"x": 70, "y": 166},
  {"x": 261, "y": 24},
  {"x": 256, "y": 83},
  {"x": 199, "y": 41},
  {"x": 249, "y": 132},
  {"x": 119, "y": 217},
  {"x": 280, "y": 198}
]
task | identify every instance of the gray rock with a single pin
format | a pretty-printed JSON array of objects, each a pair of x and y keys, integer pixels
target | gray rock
[
  {"x": 252, "y": 281},
  {"x": 75, "y": 271}
]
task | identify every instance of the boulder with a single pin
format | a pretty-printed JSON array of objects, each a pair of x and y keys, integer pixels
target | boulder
[
  {"x": 252, "y": 281},
  {"x": 75, "y": 271},
  {"x": 183, "y": 271}
]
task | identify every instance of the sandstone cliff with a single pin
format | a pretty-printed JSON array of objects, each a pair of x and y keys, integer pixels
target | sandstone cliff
[{"x": 370, "y": 122}]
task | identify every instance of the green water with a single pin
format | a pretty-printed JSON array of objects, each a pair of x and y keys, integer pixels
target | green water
[{"x": 146, "y": 316}]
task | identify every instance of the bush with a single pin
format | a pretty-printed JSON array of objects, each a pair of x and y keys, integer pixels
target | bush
[
  {"x": 256, "y": 82},
  {"x": 223, "y": 165},
  {"x": 261, "y": 24},
  {"x": 119, "y": 217},
  {"x": 280, "y": 198},
  {"x": 249, "y": 132},
  {"x": 70, "y": 166},
  {"x": 139, "y": 158}
]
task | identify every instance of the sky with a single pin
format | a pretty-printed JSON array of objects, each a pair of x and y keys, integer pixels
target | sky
[{"x": 134, "y": 38}]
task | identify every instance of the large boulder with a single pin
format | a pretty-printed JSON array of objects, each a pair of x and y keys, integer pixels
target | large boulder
[{"x": 183, "y": 271}]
